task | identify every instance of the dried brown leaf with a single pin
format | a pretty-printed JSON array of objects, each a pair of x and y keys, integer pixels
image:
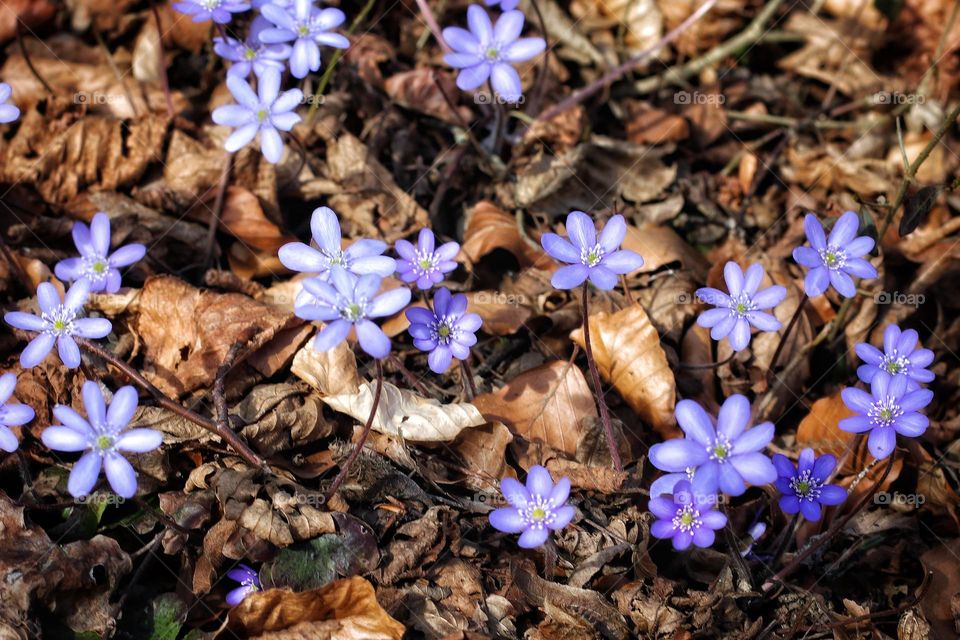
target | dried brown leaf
[
  {"x": 418, "y": 89},
  {"x": 243, "y": 217},
  {"x": 490, "y": 228},
  {"x": 332, "y": 372}
]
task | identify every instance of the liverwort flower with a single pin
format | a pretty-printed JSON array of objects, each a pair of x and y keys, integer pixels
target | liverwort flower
[
  {"x": 96, "y": 264},
  {"x": 535, "y": 509},
  {"x": 805, "y": 487},
  {"x": 742, "y": 308},
  {"x": 600, "y": 259},
  {"x": 249, "y": 581},
  {"x": 447, "y": 332},
  {"x": 252, "y": 55},
  {"x": 723, "y": 456},
  {"x": 263, "y": 112},
  {"x": 487, "y": 51},
  {"x": 11, "y": 414},
  {"x": 8, "y": 112},
  {"x": 900, "y": 355},
  {"x": 425, "y": 264},
  {"x": 308, "y": 28},
  {"x": 57, "y": 324},
  {"x": 833, "y": 260},
  {"x": 348, "y": 301},
  {"x": 103, "y": 436},
  {"x": 217, "y": 10},
  {"x": 505, "y": 5},
  {"x": 686, "y": 517},
  {"x": 887, "y": 410}
]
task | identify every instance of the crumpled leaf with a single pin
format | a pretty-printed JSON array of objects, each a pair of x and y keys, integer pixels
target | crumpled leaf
[
  {"x": 490, "y": 228},
  {"x": 629, "y": 355},
  {"x": 32, "y": 12},
  {"x": 406, "y": 415},
  {"x": 417, "y": 89},
  {"x": 279, "y": 417},
  {"x": 332, "y": 372},
  {"x": 244, "y": 218},
  {"x": 343, "y": 610}
]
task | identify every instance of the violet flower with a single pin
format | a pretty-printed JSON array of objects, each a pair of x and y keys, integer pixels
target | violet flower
[
  {"x": 103, "y": 436},
  {"x": 425, "y": 264},
  {"x": 264, "y": 112},
  {"x": 57, "y": 324},
  {"x": 96, "y": 264},
  {"x": 686, "y": 517},
  {"x": 600, "y": 259},
  {"x": 249, "y": 581},
  {"x": 487, "y": 51},
  {"x": 252, "y": 55},
  {"x": 308, "y": 28},
  {"x": 217, "y": 10},
  {"x": 742, "y": 309},
  {"x": 11, "y": 414},
  {"x": 833, "y": 260},
  {"x": 348, "y": 301},
  {"x": 536, "y": 509},
  {"x": 805, "y": 487},
  {"x": 725, "y": 456},
  {"x": 8, "y": 112},
  {"x": 447, "y": 331},
  {"x": 887, "y": 410},
  {"x": 900, "y": 355}
]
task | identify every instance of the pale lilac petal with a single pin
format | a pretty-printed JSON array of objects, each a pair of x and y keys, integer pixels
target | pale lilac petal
[
  {"x": 505, "y": 81},
  {"x": 570, "y": 276},
  {"x": 816, "y": 281},
  {"x": 523, "y": 49},
  {"x": 856, "y": 424},
  {"x": 372, "y": 339},
  {"x": 68, "y": 351},
  {"x": 297, "y": 256},
  {"x": 723, "y": 328},
  {"x": 69, "y": 270},
  {"x": 814, "y": 232},
  {"x": 539, "y": 482},
  {"x": 462, "y": 41},
  {"x": 84, "y": 474},
  {"x": 911, "y": 424},
  {"x": 676, "y": 455},
  {"x": 271, "y": 145},
  {"x": 120, "y": 475},
  {"x": 560, "y": 248},
  {"x": 92, "y": 328},
  {"x": 703, "y": 537},
  {"x": 325, "y": 228},
  {"x": 64, "y": 439},
  {"x": 845, "y": 230},
  {"x": 472, "y": 77},
  {"x": 241, "y": 137},
  {"x": 859, "y": 247},
  {"x": 560, "y": 492},
  {"x": 93, "y": 403},
  {"x": 695, "y": 422},
  {"x": 739, "y": 336},
  {"x": 562, "y": 517},
  {"x": 882, "y": 442},
  {"x": 763, "y": 321},
  {"x": 731, "y": 481},
  {"x": 712, "y": 317},
  {"x": 73, "y": 420},
  {"x": 25, "y": 321},
  {"x": 531, "y": 538},
  {"x": 807, "y": 257},
  {"x": 581, "y": 230},
  {"x": 100, "y": 233},
  {"x": 508, "y": 520},
  {"x": 479, "y": 23},
  {"x": 509, "y": 26},
  {"x": 127, "y": 255},
  {"x": 440, "y": 358},
  {"x": 36, "y": 351},
  {"x": 755, "y": 468},
  {"x": 832, "y": 495},
  {"x": 15, "y": 415},
  {"x": 122, "y": 408},
  {"x": 810, "y": 510},
  {"x": 331, "y": 335},
  {"x": 752, "y": 279},
  {"x": 8, "y": 441},
  {"x": 860, "y": 268},
  {"x": 602, "y": 278},
  {"x": 770, "y": 297},
  {"x": 48, "y": 299},
  {"x": 139, "y": 440},
  {"x": 623, "y": 261},
  {"x": 868, "y": 353},
  {"x": 733, "y": 276},
  {"x": 515, "y": 493},
  {"x": 734, "y": 417}
]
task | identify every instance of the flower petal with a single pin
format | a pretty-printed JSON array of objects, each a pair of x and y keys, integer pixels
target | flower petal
[
  {"x": 64, "y": 439},
  {"x": 695, "y": 422},
  {"x": 881, "y": 442},
  {"x": 372, "y": 339},
  {"x": 508, "y": 520},
  {"x": 84, "y": 474},
  {"x": 120, "y": 475},
  {"x": 676, "y": 455},
  {"x": 539, "y": 482},
  {"x": 734, "y": 417},
  {"x": 37, "y": 350},
  {"x": 569, "y": 277}
]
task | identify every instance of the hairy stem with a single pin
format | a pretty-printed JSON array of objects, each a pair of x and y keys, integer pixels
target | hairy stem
[
  {"x": 469, "y": 386},
  {"x": 595, "y": 375},
  {"x": 345, "y": 469},
  {"x": 786, "y": 333}
]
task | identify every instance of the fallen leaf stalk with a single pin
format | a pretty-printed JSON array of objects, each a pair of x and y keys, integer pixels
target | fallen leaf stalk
[
  {"x": 345, "y": 469},
  {"x": 598, "y": 389}
]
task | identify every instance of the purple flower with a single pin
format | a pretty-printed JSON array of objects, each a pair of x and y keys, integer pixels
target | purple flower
[
  {"x": 425, "y": 264},
  {"x": 900, "y": 356},
  {"x": 11, "y": 415},
  {"x": 349, "y": 301},
  {"x": 217, "y": 10},
  {"x": 724, "y": 456},
  {"x": 8, "y": 112},
  {"x": 249, "y": 583},
  {"x": 536, "y": 509},
  {"x": 58, "y": 323},
  {"x": 96, "y": 264},
  {"x": 887, "y": 410},
  {"x": 252, "y": 55},
  {"x": 736, "y": 313},
  {"x": 600, "y": 259},
  {"x": 686, "y": 517},
  {"x": 102, "y": 436},
  {"x": 264, "y": 113},
  {"x": 307, "y": 27},
  {"x": 446, "y": 332},
  {"x": 833, "y": 260},
  {"x": 487, "y": 51},
  {"x": 505, "y": 5},
  {"x": 805, "y": 487}
]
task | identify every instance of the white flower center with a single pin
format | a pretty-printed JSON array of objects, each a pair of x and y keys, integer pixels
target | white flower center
[
  {"x": 741, "y": 305},
  {"x": 336, "y": 258},
  {"x": 424, "y": 262},
  {"x": 894, "y": 363},
  {"x": 687, "y": 519},
  {"x": 353, "y": 310},
  {"x": 720, "y": 450},
  {"x": 444, "y": 330},
  {"x": 833, "y": 258},
  {"x": 538, "y": 513},
  {"x": 885, "y": 412},
  {"x": 60, "y": 322},
  {"x": 592, "y": 257},
  {"x": 210, "y": 5},
  {"x": 95, "y": 268},
  {"x": 806, "y": 486}
]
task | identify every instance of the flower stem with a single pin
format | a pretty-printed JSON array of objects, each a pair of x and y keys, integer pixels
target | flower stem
[
  {"x": 604, "y": 414},
  {"x": 786, "y": 333},
  {"x": 345, "y": 469},
  {"x": 161, "y": 61},
  {"x": 164, "y": 401},
  {"x": 712, "y": 365},
  {"x": 784, "y": 541},
  {"x": 469, "y": 387},
  {"x": 431, "y": 21}
]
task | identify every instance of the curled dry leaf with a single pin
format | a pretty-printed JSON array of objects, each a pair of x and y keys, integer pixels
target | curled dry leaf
[
  {"x": 820, "y": 428},
  {"x": 406, "y": 415},
  {"x": 244, "y": 218},
  {"x": 545, "y": 403},
  {"x": 342, "y": 610},
  {"x": 420, "y": 89},
  {"x": 490, "y": 228},
  {"x": 481, "y": 452},
  {"x": 629, "y": 355},
  {"x": 279, "y": 417},
  {"x": 660, "y": 245},
  {"x": 31, "y": 12},
  {"x": 332, "y": 372}
]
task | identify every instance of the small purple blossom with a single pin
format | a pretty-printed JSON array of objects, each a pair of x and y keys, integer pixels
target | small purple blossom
[
  {"x": 447, "y": 332},
  {"x": 8, "y": 112},
  {"x": 505, "y": 5},
  {"x": 805, "y": 487},
  {"x": 487, "y": 51},
  {"x": 686, "y": 517},
  {"x": 96, "y": 264},
  {"x": 103, "y": 436},
  {"x": 887, "y": 410},
  {"x": 11, "y": 414},
  {"x": 425, "y": 264},
  {"x": 833, "y": 260},
  {"x": 252, "y": 55},
  {"x": 249, "y": 581},
  {"x": 57, "y": 324},
  {"x": 217, "y": 10},
  {"x": 587, "y": 256},
  {"x": 742, "y": 308},
  {"x": 536, "y": 509},
  {"x": 900, "y": 355},
  {"x": 348, "y": 301},
  {"x": 724, "y": 454},
  {"x": 307, "y": 27},
  {"x": 264, "y": 112}
]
